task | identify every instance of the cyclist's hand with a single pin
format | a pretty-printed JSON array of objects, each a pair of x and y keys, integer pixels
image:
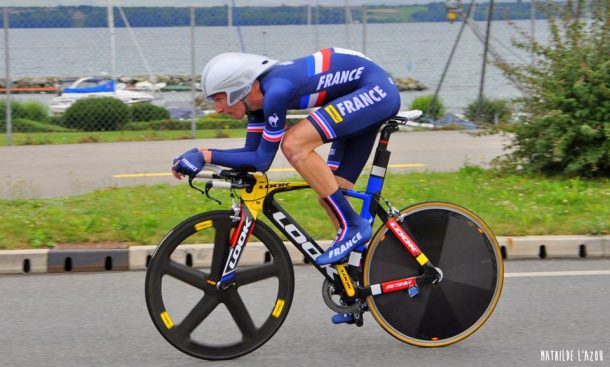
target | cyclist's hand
[{"x": 189, "y": 163}]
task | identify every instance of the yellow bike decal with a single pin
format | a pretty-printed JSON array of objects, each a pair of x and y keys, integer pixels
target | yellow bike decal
[
  {"x": 254, "y": 197},
  {"x": 346, "y": 281}
]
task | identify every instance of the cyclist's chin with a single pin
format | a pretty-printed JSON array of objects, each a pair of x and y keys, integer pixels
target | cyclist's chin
[{"x": 238, "y": 115}]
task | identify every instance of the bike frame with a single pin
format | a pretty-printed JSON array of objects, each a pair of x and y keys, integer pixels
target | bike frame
[{"x": 261, "y": 198}]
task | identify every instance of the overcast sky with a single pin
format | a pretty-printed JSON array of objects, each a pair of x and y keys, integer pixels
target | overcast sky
[{"x": 52, "y": 3}]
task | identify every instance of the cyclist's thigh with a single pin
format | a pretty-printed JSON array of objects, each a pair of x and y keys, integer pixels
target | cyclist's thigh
[
  {"x": 350, "y": 155},
  {"x": 361, "y": 110}
]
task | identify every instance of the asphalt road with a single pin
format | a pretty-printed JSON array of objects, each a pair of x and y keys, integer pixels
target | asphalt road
[
  {"x": 64, "y": 170},
  {"x": 100, "y": 319}
]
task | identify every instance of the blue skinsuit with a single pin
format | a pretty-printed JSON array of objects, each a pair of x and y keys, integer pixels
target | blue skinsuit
[{"x": 355, "y": 97}]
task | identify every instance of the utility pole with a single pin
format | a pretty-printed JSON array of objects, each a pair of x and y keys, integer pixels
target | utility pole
[
  {"x": 465, "y": 19},
  {"x": 9, "y": 113},
  {"x": 533, "y": 26},
  {"x": 365, "y": 19},
  {"x": 113, "y": 74},
  {"x": 193, "y": 75},
  {"x": 482, "y": 84}
]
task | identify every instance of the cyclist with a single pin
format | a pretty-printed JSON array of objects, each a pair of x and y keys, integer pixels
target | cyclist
[{"x": 355, "y": 97}]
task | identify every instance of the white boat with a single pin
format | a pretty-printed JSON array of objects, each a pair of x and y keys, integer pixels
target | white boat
[{"x": 89, "y": 87}]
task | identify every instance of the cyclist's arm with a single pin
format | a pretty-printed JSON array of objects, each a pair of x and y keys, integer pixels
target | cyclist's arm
[
  {"x": 256, "y": 123},
  {"x": 275, "y": 107}
]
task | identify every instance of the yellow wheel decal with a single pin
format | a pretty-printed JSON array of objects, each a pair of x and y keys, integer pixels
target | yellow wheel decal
[
  {"x": 167, "y": 320},
  {"x": 203, "y": 225},
  {"x": 279, "y": 306}
]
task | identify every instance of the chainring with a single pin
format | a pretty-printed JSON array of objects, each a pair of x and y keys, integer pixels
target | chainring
[{"x": 328, "y": 291}]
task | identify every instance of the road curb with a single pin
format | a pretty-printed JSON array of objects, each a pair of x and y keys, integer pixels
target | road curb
[
  {"x": 137, "y": 257},
  {"x": 23, "y": 261},
  {"x": 542, "y": 247}
]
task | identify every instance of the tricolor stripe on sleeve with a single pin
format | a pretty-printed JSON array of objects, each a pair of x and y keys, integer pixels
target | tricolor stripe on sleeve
[
  {"x": 273, "y": 136},
  {"x": 256, "y": 127}
]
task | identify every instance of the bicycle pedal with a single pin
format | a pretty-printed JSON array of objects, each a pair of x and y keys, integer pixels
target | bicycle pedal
[
  {"x": 359, "y": 321},
  {"x": 413, "y": 291}
]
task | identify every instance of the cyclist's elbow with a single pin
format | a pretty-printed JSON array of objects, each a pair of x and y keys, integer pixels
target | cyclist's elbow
[
  {"x": 263, "y": 162},
  {"x": 264, "y": 167}
]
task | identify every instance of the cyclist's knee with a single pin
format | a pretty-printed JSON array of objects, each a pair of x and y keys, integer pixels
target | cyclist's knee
[
  {"x": 299, "y": 141},
  {"x": 292, "y": 148}
]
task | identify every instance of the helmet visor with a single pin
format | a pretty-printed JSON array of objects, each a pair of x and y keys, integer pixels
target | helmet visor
[{"x": 237, "y": 95}]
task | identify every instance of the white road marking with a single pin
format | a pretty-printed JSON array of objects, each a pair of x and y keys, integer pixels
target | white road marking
[
  {"x": 556, "y": 273},
  {"x": 166, "y": 174}
]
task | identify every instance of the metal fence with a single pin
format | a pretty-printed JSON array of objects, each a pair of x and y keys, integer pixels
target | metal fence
[{"x": 154, "y": 54}]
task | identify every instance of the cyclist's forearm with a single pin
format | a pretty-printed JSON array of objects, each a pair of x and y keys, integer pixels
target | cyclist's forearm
[
  {"x": 259, "y": 159},
  {"x": 253, "y": 138}
]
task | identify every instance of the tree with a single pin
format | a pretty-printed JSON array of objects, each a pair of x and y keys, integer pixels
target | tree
[{"x": 565, "y": 126}]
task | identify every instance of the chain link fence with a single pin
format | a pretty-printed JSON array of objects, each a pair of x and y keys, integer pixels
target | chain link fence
[{"x": 146, "y": 58}]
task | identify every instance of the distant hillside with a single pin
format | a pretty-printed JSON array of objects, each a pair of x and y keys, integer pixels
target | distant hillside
[{"x": 92, "y": 16}]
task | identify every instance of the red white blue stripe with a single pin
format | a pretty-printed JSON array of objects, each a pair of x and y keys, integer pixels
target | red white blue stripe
[
  {"x": 256, "y": 127},
  {"x": 313, "y": 100},
  {"x": 317, "y": 63},
  {"x": 273, "y": 136},
  {"x": 340, "y": 216},
  {"x": 324, "y": 125},
  {"x": 333, "y": 165}
]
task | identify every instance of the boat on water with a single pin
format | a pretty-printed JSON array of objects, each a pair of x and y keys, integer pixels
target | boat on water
[{"x": 90, "y": 87}]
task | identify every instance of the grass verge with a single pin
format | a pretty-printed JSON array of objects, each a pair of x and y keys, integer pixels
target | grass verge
[
  {"x": 510, "y": 204},
  {"x": 116, "y": 136}
]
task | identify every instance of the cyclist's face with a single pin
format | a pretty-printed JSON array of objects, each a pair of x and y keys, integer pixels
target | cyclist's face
[{"x": 237, "y": 111}]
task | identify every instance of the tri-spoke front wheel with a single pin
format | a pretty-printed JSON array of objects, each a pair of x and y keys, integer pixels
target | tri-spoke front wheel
[{"x": 204, "y": 320}]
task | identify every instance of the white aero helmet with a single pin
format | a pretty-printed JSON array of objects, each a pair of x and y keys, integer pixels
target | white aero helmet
[{"x": 233, "y": 73}]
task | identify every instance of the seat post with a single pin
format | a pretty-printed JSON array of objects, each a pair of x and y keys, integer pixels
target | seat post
[{"x": 380, "y": 164}]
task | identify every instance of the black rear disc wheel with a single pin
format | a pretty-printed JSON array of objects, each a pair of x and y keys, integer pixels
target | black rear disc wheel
[{"x": 464, "y": 248}]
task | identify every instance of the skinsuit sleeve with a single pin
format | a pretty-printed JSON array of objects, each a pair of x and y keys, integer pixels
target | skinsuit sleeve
[{"x": 277, "y": 96}]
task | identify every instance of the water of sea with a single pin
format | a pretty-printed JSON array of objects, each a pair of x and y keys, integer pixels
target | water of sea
[{"x": 417, "y": 50}]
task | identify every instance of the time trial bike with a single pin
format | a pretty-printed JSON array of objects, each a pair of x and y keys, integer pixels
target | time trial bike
[{"x": 220, "y": 284}]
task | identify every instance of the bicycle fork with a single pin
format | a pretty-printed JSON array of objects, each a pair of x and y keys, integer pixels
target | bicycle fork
[{"x": 237, "y": 242}]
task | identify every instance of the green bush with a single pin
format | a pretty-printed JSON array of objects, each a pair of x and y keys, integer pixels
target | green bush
[
  {"x": 57, "y": 120},
  {"x": 424, "y": 103},
  {"x": 97, "y": 114},
  {"x": 566, "y": 124},
  {"x": 211, "y": 123},
  {"x": 204, "y": 123},
  {"x": 492, "y": 111},
  {"x": 36, "y": 111},
  {"x": 158, "y": 125},
  {"x": 30, "y": 110},
  {"x": 148, "y": 112},
  {"x": 21, "y": 125}
]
